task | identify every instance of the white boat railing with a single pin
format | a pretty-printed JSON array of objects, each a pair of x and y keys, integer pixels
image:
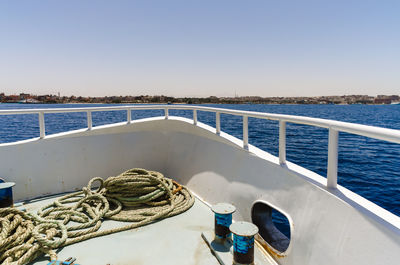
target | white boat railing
[{"x": 334, "y": 127}]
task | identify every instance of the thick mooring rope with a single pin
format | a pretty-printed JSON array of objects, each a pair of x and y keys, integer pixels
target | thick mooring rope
[{"x": 136, "y": 196}]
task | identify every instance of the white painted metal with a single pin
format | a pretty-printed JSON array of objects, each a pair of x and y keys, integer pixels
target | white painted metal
[
  {"x": 89, "y": 120},
  {"x": 390, "y": 135},
  {"x": 129, "y": 115},
  {"x": 42, "y": 129},
  {"x": 385, "y": 134},
  {"x": 166, "y": 113},
  {"x": 172, "y": 241},
  {"x": 223, "y": 208},
  {"x": 195, "y": 117},
  {"x": 243, "y": 229},
  {"x": 328, "y": 226},
  {"x": 245, "y": 132},
  {"x": 218, "y": 122},
  {"x": 282, "y": 142},
  {"x": 6, "y": 185},
  {"x": 332, "y": 158}
]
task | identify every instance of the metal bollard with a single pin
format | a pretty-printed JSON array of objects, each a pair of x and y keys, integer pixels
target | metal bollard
[
  {"x": 243, "y": 242},
  {"x": 6, "y": 196},
  {"x": 223, "y": 219}
]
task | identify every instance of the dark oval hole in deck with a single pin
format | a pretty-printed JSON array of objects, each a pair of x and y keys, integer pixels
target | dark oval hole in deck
[{"x": 273, "y": 226}]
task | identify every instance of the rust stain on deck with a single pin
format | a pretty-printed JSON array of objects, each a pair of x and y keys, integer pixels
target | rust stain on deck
[
  {"x": 197, "y": 253},
  {"x": 261, "y": 242}
]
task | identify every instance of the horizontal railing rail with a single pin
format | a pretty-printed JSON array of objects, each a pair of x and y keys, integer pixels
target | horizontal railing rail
[{"x": 334, "y": 127}]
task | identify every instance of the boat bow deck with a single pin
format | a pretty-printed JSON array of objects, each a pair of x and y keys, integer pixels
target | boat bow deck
[{"x": 175, "y": 240}]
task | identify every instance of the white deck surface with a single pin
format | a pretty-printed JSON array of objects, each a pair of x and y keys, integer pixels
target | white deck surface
[{"x": 175, "y": 240}]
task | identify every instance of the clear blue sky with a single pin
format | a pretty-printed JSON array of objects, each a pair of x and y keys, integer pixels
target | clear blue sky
[{"x": 200, "y": 48}]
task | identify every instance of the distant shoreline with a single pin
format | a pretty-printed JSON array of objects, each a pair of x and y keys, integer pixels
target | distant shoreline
[
  {"x": 162, "y": 103},
  {"x": 336, "y": 100}
]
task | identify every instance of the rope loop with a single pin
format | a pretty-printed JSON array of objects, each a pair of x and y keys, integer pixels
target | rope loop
[
  {"x": 45, "y": 233},
  {"x": 90, "y": 184}
]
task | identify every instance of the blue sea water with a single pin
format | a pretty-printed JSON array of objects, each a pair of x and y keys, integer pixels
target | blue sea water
[{"x": 369, "y": 167}]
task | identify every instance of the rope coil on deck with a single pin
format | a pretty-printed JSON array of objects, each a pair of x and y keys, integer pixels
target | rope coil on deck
[{"x": 136, "y": 196}]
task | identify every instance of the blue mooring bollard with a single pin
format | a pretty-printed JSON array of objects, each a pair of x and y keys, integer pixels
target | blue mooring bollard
[
  {"x": 6, "y": 195},
  {"x": 243, "y": 242},
  {"x": 223, "y": 219}
]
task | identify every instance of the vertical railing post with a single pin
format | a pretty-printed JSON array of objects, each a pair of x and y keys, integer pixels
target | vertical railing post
[
  {"x": 42, "y": 129},
  {"x": 89, "y": 120},
  {"x": 332, "y": 158},
  {"x": 282, "y": 142},
  {"x": 217, "y": 122},
  {"x": 246, "y": 132},
  {"x": 166, "y": 113},
  {"x": 128, "y": 115},
  {"x": 195, "y": 117}
]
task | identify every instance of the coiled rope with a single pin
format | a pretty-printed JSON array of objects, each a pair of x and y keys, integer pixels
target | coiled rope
[{"x": 136, "y": 196}]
